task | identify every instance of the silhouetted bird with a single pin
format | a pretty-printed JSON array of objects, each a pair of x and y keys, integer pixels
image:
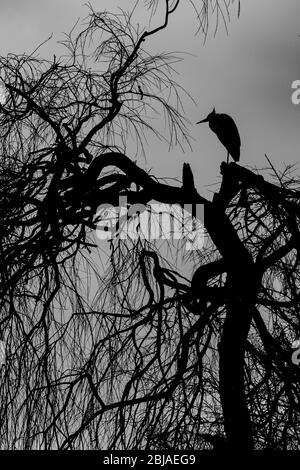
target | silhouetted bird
[{"x": 227, "y": 132}]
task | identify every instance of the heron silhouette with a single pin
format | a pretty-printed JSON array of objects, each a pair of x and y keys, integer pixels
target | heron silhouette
[{"x": 227, "y": 132}]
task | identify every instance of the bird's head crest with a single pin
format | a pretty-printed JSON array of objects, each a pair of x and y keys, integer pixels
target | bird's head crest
[{"x": 207, "y": 119}]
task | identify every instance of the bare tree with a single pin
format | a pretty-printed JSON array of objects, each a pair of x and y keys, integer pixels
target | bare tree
[{"x": 138, "y": 355}]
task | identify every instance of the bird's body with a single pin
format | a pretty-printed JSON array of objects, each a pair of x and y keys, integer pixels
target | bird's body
[{"x": 225, "y": 129}]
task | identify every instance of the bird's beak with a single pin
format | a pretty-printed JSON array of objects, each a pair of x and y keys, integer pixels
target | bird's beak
[{"x": 203, "y": 120}]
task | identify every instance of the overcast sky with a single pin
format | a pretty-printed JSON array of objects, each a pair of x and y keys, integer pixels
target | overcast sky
[{"x": 247, "y": 74}]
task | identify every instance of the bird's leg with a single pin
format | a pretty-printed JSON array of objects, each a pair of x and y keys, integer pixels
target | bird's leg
[{"x": 227, "y": 157}]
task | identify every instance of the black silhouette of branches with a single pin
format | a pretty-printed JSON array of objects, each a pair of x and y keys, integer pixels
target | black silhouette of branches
[
  {"x": 134, "y": 342},
  {"x": 206, "y": 12},
  {"x": 56, "y": 118}
]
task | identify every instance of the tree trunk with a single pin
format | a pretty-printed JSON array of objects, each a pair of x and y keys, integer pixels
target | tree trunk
[
  {"x": 241, "y": 286},
  {"x": 231, "y": 377}
]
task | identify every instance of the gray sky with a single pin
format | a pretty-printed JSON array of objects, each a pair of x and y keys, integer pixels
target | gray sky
[{"x": 247, "y": 74}]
